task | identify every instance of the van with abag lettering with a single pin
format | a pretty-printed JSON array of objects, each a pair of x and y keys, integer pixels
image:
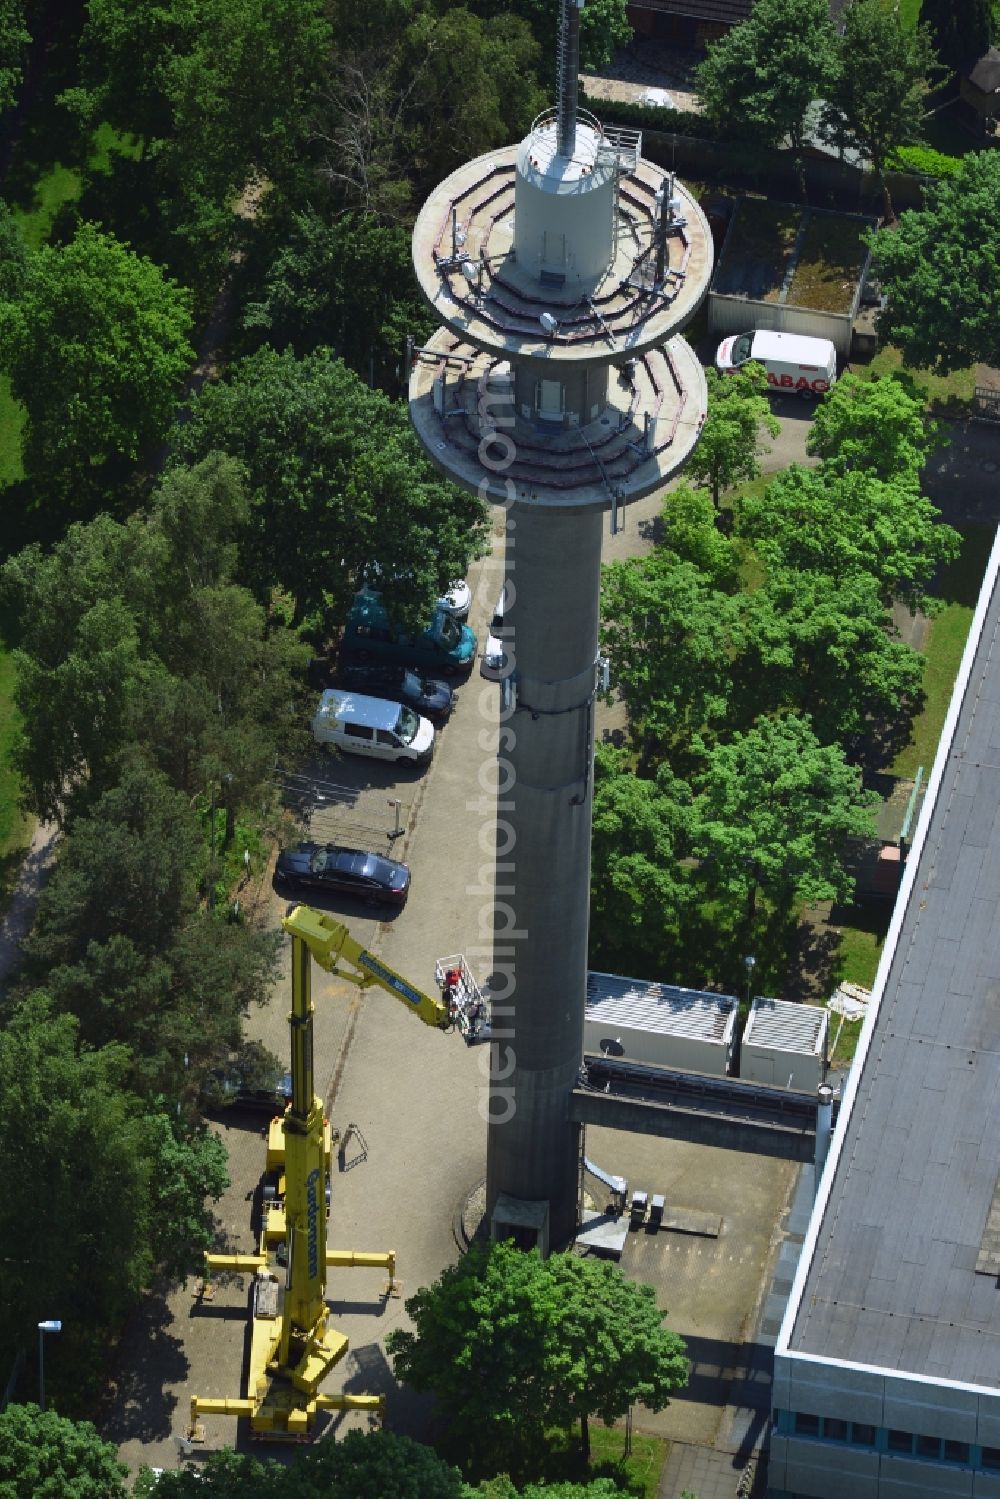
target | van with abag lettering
[{"x": 794, "y": 363}]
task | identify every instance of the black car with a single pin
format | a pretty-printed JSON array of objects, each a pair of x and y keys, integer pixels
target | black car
[
  {"x": 428, "y": 696},
  {"x": 344, "y": 871}
]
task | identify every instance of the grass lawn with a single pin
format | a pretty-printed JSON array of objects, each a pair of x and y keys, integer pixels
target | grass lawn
[
  {"x": 959, "y": 588},
  {"x": 638, "y": 1474},
  {"x": 759, "y": 245},
  {"x": 909, "y": 10},
  {"x": 11, "y": 422},
  {"x": 944, "y": 392},
  {"x": 831, "y": 257},
  {"x": 59, "y": 184}
]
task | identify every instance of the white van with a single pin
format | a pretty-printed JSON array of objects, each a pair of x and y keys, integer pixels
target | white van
[
  {"x": 371, "y": 726},
  {"x": 804, "y": 366}
]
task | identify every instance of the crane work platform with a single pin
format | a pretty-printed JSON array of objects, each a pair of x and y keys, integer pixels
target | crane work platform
[{"x": 468, "y": 1004}]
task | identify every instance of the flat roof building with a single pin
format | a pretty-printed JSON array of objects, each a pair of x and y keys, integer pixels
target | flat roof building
[{"x": 887, "y": 1366}]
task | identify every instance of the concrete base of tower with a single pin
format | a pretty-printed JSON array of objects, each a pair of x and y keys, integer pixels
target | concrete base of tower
[{"x": 527, "y": 1223}]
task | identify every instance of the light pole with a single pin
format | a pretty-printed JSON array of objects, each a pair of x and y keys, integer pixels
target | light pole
[
  {"x": 43, "y": 1328},
  {"x": 750, "y": 963}
]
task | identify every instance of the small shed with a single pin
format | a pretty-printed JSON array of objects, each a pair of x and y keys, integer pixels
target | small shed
[
  {"x": 660, "y": 1023},
  {"x": 784, "y": 1045},
  {"x": 979, "y": 87},
  {"x": 790, "y": 269}
]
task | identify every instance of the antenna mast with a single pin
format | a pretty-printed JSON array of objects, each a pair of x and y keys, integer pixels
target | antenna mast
[{"x": 568, "y": 74}]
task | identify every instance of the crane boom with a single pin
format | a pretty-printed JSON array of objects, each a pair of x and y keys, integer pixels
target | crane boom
[{"x": 330, "y": 943}]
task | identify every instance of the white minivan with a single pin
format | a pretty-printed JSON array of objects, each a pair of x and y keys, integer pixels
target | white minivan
[
  {"x": 362, "y": 725},
  {"x": 794, "y": 363}
]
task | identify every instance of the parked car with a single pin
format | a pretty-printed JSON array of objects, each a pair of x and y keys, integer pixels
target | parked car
[
  {"x": 794, "y": 362},
  {"x": 456, "y": 602},
  {"x": 231, "y": 1087},
  {"x": 428, "y": 696},
  {"x": 344, "y": 871},
  {"x": 372, "y": 726},
  {"x": 445, "y": 648},
  {"x": 494, "y": 656}
]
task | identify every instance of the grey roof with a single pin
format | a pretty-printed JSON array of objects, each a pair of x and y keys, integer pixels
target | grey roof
[
  {"x": 985, "y": 75},
  {"x": 643, "y": 1005},
  {"x": 892, "y": 1281},
  {"x": 786, "y": 1026},
  {"x": 729, "y": 12}
]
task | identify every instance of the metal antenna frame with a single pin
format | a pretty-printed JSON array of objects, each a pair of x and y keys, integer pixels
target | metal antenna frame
[{"x": 568, "y": 71}]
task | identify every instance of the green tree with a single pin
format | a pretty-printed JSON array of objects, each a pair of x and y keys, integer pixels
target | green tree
[
  {"x": 824, "y": 646},
  {"x": 876, "y": 101},
  {"x": 850, "y": 523},
  {"x": 45, "y": 1456},
  {"x": 512, "y": 1345},
  {"x": 121, "y": 942},
  {"x": 738, "y": 413},
  {"x": 13, "y": 256},
  {"x": 472, "y": 86},
  {"x": 347, "y": 284},
  {"x": 940, "y": 268},
  {"x": 690, "y": 533},
  {"x": 875, "y": 425},
  {"x": 336, "y": 480},
  {"x": 641, "y": 887},
  {"x": 222, "y": 1475},
  {"x": 502, "y": 1488},
  {"x": 667, "y": 635},
  {"x": 188, "y": 1168},
  {"x": 72, "y": 1131},
  {"x": 759, "y": 80},
  {"x": 604, "y": 26},
  {"x": 14, "y": 39},
  {"x": 774, "y": 814},
  {"x": 959, "y": 29},
  {"x": 96, "y": 348},
  {"x": 374, "y": 1465}
]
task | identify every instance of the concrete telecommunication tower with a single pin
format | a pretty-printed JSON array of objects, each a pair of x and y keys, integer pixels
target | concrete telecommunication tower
[{"x": 560, "y": 270}]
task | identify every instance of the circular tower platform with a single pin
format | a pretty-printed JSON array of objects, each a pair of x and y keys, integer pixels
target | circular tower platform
[{"x": 560, "y": 282}]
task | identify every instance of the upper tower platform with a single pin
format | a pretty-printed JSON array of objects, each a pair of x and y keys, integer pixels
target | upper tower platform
[{"x": 561, "y": 271}]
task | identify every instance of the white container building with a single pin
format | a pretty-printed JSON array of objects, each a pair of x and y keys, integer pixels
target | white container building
[
  {"x": 784, "y": 1044},
  {"x": 687, "y": 1029}
]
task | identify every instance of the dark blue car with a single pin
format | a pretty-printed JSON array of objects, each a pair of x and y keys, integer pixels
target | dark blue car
[
  {"x": 336, "y": 870},
  {"x": 428, "y": 696}
]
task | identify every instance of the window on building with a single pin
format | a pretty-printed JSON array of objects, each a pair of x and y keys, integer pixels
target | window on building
[
  {"x": 929, "y": 1447},
  {"x": 956, "y": 1452},
  {"x": 834, "y": 1429},
  {"x": 862, "y": 1435},
  {"x": 900, "y": 1441},
  {"x": 991, "y": 1458},
  {"x": 806, "y": 1426}
]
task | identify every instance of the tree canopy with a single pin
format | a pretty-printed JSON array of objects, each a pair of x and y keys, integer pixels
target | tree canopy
[
  {"x": 45, "y": 1456},
  {"x": 96, "y": 348},
  {"x": 775, "y": 812},
  {"x": 876, "y": 425},
  {"x": 739, "y": 412},
  {"x": 959, "y": 29},
  {"x": 940, "y": 269},
  {"x": 843, "y": 524},
  {"x": 336, "y": 480},
  {"x": 512, "y": 1345},
  {"x": 759, "y": 80},
  {"x": 14, "y": 38},
  {"x": 876, "y": 99}
]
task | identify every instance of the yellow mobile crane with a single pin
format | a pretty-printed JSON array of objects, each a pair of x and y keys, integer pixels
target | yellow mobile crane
[{"x": 292, "y": 1348}]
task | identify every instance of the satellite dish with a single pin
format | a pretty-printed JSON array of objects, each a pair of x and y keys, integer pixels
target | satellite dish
[
  {"x": 548, "y": 322},
  {"x": 470, "y": 270},
  {"x": 612, "y": 1048}
]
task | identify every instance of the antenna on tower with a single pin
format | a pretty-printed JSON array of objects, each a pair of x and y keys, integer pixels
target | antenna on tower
[{"x": 568, "y": 74}]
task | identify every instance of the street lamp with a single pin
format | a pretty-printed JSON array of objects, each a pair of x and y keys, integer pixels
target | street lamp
[
  {"x": 43, "y": 1328},
  {"x": 750, "y": 963}
]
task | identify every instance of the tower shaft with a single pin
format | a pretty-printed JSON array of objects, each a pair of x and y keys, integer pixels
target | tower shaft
[{"x": 544, "y": 799}]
